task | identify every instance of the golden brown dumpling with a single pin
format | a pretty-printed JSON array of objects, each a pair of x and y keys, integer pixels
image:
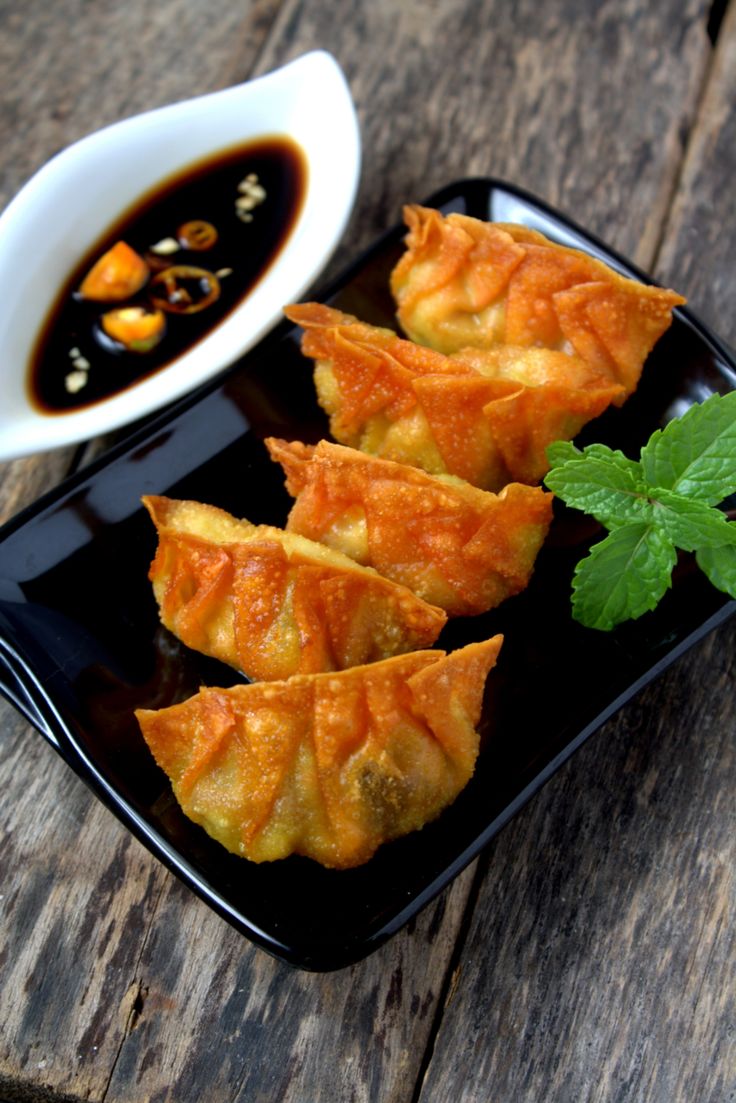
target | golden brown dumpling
[
  {"x": 458, "y": 547},
  {"x": 273, "y": 604},
  {"x": 485, "y": 416},
  {"x": 326, "y": 765},
  {"x": 466, "y": 283}
]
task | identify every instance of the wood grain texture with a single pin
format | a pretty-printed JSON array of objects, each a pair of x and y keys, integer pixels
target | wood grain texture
[
  {"x": 596, "y": 966},
  {"x": 119, "y": 984},
  {"x": 584, "y": 104},
  {"x": 602, "y": 946},
  {"x": 73, "y": 66},
  {"x": 74, "y": 930},
  {"x": 592, "y": 967},
  {"x": 274, "y": 1027},
  {"x": 698, "y": 246},
  {"x": 23, "y": 481}
]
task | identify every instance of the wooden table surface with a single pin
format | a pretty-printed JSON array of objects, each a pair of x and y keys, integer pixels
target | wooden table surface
[{"x": 588, "y": 955}]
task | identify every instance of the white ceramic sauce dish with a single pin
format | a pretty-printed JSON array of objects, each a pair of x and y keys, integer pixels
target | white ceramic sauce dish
[{"x": 67, "y": 207}]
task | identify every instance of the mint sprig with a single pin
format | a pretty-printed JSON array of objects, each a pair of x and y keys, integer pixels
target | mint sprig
[
  {"x": 664, "y": 501},
  {"x": 695, "y": 455}
]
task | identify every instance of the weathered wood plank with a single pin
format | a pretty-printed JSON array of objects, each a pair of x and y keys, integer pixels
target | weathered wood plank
[
  {"x": 583, "y": 104},
  {"x": 698, "y": 248},
  {"x": 548, "y": 97},
  {"x": 72, "y": 67},
  {"x": 23, "y": 481},
  {"x": 73, "y": 930},
  {"x": 112, "y": 969},
  {"x": 72, "y": 936},
  {"x": 599, "y": 961},
  {"x": 280, "y": 1034}
]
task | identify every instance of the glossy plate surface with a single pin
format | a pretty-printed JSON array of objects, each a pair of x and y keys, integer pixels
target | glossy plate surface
[{"x": 81, "y": 646}]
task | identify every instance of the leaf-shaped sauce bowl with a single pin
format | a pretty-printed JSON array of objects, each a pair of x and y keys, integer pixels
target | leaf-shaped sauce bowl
[{"x": 68, "y": 207}]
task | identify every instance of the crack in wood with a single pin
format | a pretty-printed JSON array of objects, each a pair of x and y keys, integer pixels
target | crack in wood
[
  {"x": 135, "y": 996},
  {"x": 686, "y": 136},
  {"x": 133, "y": 1003},
  {"x": 451, "y": 976},
  {"x": 716, "y": 16}
]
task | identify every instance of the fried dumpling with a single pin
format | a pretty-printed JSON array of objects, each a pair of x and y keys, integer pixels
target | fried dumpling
[
  {"x": 326, "y": 765},
  {"x": 466, "y": 283},
  {"x": 485, "y": 415},
  {"x": 272, "y": 603},
  {"x": 454, "y": 545}
]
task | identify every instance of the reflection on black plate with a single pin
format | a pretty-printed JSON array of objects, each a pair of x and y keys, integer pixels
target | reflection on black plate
[{"x": 81, "y": 646}]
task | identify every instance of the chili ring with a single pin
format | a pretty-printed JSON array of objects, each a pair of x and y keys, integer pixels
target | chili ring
[{"x": 183, "y": 289}]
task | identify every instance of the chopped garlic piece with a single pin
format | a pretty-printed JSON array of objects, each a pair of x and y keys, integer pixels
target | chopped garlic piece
[
  {"x": 166, "y": 246},
  {"x": 247, "y": 183},
  {"x": 257, "y": 192},
  {"x": 251, "y": 195},
  {"x": 75, "y": 380}
]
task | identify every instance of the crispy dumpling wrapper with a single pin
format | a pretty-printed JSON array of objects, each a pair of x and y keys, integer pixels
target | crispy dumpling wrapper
[
  {"x": 458, "y": 547},
  {"x": 467, "y": 283},
  {"x": 486, "y": 416},
  {"x": 328, "y": 765},
  {"x": 273, "y": 604}
]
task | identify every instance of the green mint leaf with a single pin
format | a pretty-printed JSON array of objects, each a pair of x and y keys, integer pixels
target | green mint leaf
[
  {"x": 719, "y": 564},
  {"x": 560, "y": 451},
  {"x": 603, "y": 452},
  {"x": 689, "y": 523},
  {"x": 695, "y": 454},
  {"x": 607, "y": 486},
  {"x": 625, "y": 575}
]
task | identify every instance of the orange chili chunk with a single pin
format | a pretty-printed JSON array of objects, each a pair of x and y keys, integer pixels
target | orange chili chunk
[
  {"x": 134, "y": 327},
  {"x": 118, "y": 274}
]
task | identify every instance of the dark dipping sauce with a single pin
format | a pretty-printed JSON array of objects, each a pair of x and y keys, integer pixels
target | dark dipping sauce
[{"x": 245, "y": 249}]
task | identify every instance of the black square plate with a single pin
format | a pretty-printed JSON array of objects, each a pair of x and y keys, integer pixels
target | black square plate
[{"x": 81, "y": 645}]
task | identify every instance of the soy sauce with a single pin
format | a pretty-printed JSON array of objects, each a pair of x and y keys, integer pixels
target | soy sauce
[{"x": 249, "y": 238}]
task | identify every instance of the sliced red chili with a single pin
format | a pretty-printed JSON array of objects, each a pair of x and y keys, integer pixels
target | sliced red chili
[
  {"x": 197, "y": 235},
  {"x": 183, "y": 289}
]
